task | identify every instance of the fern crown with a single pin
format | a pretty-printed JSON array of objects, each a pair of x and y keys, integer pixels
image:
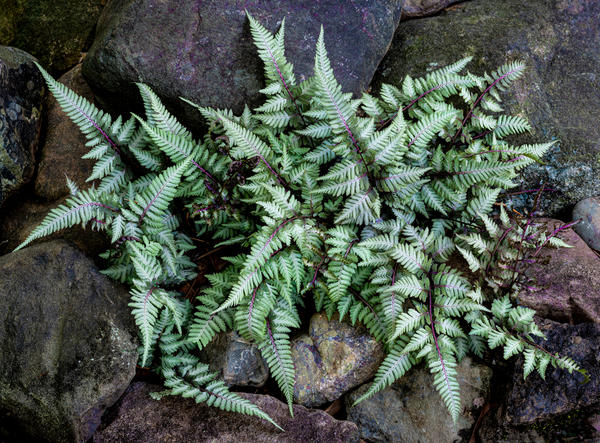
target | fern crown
[{"x": 371, "y": 207}]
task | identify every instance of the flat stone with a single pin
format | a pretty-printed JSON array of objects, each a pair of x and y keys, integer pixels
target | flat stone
[
  {"x": 559, "y": 41},
  {"x": 203, "y": 50},
  {"x": 588, "y": 212},
  {"x": 64, "y": 145},
  {"x": 564, "y": 283},
  {"x": 332, "y": 359},
  {"x": 67, "y": 344},
  {"x": 176, "y": 419},
  {"x": 21, "y": 99},
  {"x": 411, "y": 410},
  {"x": 55, "y": 31},
  {"x": 536, "y": 400}
]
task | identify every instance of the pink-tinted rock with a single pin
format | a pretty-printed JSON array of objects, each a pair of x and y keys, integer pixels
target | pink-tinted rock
[
  {"x": 422, "y": 8},
  {"x": 565, "y": 284},
  {"x": 588, "y": 213},
  {"x": 64, "y": 145},
  {"x": 176, "y": 419}
]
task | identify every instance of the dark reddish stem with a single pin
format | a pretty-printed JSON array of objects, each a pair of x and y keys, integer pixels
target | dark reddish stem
[{"x": 470, "y": 113}]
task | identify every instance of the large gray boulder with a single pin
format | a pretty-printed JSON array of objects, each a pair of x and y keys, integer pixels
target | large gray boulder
[
  {"x": 203, "y": 50},
  {"x": 66, "y": 344},
  {"x": 139, "y": 418},
  {"x": 560, "y": 43},
  {"x": 21, "y": 97},
  {"x": 411, "y": 410}
]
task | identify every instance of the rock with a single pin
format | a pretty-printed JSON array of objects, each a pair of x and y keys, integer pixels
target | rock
[
  {"x": 203, "y": 50},
  {"x": 423, "y": 8},
  {"x": 20, "y": 219},
  {"x": 176, "y": 419},
  {"x": 244, "y": 365},
  {"x": 66, "y": 343},
  {"x": 559, "y": 41},
  {"x": 238, "y": 362},
  {"x": 411, "y": 410},
  {"x": 55, "y": 31},
  {"x": 334, "y": 358},
  {"x": 564, "y": 284},
  {"x": 535, "y": 400},
  {"x": 21, "y": 94},
  {"x": 64, "y": 145},
  {"x": 588, "y": 211}
]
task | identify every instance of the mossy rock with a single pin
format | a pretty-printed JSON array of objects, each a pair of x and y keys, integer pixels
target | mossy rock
[
  {"x": 55, "y": 31},
  {"x": 559, "y": 41}
]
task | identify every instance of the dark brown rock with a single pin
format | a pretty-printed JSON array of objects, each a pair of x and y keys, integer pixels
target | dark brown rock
[
  {"x": 64, "y": 145},
  {"x": 21, "y": 98},
  {"x": 175, "y": 419},
  {"x": 20, "y": 219},
  {"x": 564, "y": 284},
  {"x": 67, "y": 344},
  {"x": 203, "y": 50},
  {"x": 334, "y": 358},
  {"x": 536, "y": 400}
]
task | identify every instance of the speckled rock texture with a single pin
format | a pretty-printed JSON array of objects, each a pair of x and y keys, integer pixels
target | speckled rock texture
[
  {"x": 411, "y": 410},
  {"x": 138, "y": 418},
  {"x": 238, "y": 362},
  {"x": 535, "y": 400},
  {"x": 63, "y": 146},
  {"x": 21, "y": 98},
  {"x": 202, "y": 50},
  {"x": 55, "y": 31},
  {"x": 559, "y": 40},
  {"x": 588, "y": 213},
  {"x": 423, "y": 8},
  {"x": 332, "y": 359},
  {"x": 564, "y": 283},
  {"x": 66, "y": 341}
]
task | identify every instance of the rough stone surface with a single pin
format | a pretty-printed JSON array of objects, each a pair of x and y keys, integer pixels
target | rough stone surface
[
  {"x": 66, "y": 343},
  {"x": 238, "y": 362},
  {"x": 21, "y": 97},
  {"x": 559, "y": 41},
  {"x": 175, "y": 419},
  {"x": 422, "y": 8},
  {"x": 411, "y": 410},
  {"x": 55, "y": 31},
  {"x": 203, "y": 50},
  {"x": 64, "y": 145},
  {"x": 564, "y": 283},
  {"x": 588, "y": 212},
  {"x": 18, "y": 220},
  {"x": 332, "y": 359},
  {"x": 536, "y": 400}
]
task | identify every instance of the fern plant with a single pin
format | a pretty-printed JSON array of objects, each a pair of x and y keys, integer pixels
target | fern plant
[{"x": 367, "y": 207}]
